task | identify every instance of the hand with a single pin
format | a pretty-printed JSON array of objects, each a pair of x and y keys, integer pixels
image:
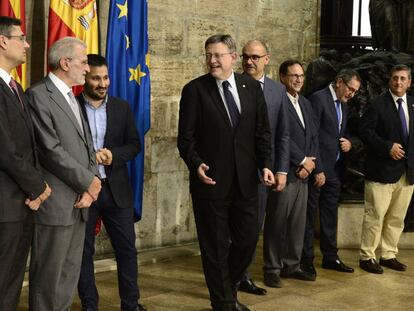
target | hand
[
  {"x": 84, "y": 201},
  {"x": 345, "y": 144},
  {"x": 280, "y": 182},
  {"x": 35, "y": 204},
  {"x": 302, "y": 173},
  {"x": 309, "y": 164},
  {"x": 105, "y": 156},
  {"x": 319, "y": 179},
  {"x": 267, "y": 179},
  {"x": 201, "y": 173},
  {"x": 94, "y": 188},
  {"x": 397, "y": 152}
]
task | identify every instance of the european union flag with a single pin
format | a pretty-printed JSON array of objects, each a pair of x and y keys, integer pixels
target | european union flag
[{"x": 128, "y": 61}]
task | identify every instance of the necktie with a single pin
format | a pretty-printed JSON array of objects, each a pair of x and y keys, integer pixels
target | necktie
[
  {"x": 231, "y": 105},
  {"x": 13, "y": 86},
  {"x": 338, "y": 113},
  {"x": 73, "y": 103},
  {"x": 403, "y": 120}
]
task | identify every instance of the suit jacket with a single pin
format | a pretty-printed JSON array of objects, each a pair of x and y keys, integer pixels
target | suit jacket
[
  {"x": 122, "y": 139},
  {"x": 65, "y": 153},
  {"x": 20, "y": 177},
  {"x": 205, "y": 135},
  {"x": 380, "y": 127},
  {"x": 276, "y": 102},
  {"x": 303, "y": 141},
  {"x": 326, "y": 122}
]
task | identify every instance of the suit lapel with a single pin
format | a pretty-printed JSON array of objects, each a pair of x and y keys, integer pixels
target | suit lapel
[
  {"x": 213, "y": 91},
  {"x": 241, "y": 90},
  {"x": 60, "y": 100},
  {"x": 295, "y": 114}
]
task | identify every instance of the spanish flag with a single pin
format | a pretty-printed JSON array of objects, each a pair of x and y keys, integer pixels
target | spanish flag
[
  {"x": 16, "y": 9},
  {"x": 74, "y": 18}
]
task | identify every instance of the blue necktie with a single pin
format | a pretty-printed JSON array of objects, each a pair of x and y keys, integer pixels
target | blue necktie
[
  {"x": 338, "y": 113},
  {"x": 403, "y": 120},
  {"x": 231, "y": 105}
]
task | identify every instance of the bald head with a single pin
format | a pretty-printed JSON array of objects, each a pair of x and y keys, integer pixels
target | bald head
[{"x": 255, "y": 58}]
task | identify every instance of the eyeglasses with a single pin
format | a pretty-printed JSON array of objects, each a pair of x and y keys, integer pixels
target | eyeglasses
[
  {"x": 253, "y": 58},
  {"x": 218, "y": 56},
  {"x": 296, "y": 76},
  {"x": 21, "y": 38},
  {"x": 350, "y": 88}
]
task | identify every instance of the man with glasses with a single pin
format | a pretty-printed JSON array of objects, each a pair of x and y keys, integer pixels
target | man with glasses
[
  {"x": 330, "y": 114},
  {"x": 255, "y": 57},
  {"x": 224, "y": 138},
  {"x": 22, "y": 187},
  {"x": 286, "y": 210},
  {"x": 387, "y": 132}
]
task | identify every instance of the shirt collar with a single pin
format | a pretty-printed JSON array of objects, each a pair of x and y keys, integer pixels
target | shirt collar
[
  {"x": 92, "y": 106},
  {"x": 5, "y": 76},
  {"x": 331, "y": 89},
  {"x": 61, "y": 86},
  {"x": 293, "y": 99},
  {"x": 230, "y": 79},
  {"x": 395, "y": 97}
]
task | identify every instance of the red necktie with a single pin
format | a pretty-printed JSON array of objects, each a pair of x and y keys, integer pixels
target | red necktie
[{"x": 13, "y": 86}]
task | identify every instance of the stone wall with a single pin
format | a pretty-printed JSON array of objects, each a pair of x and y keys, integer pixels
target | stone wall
[{"x": 177, "y": 31}]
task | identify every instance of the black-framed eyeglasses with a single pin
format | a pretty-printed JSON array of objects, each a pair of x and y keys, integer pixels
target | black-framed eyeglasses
[
  {"x": 296, "y": 76},
  {"x": 253, "y": 58},
  {"x": 22, "y": 38},
  {"x": 351, "y": 89}
]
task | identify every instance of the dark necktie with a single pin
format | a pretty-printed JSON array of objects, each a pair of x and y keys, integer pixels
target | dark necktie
[
  {"x": 13, "y": 86},
  {"x": 403, "y": 120},
  {"x": 231, "y": 105}
]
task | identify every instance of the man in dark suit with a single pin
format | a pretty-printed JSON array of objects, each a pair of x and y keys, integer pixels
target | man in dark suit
[
  {"x": 116, "y": 141},
  {"x": 255, "y": 57},
  {"x": 330, "y": 113},
  {"x": 286, "y": 210},
  {"x": 387, "y": 130},
  {"x": 22, "y": 186},
  {"x": 224, "y": 137},
  {"x": 68, "y": 161}
]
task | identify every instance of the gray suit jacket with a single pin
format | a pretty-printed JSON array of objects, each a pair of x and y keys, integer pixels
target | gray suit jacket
[{"x": 66, "y": 155}]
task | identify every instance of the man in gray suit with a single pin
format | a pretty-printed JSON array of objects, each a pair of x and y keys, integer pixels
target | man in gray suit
[
  {"x": 255, "y": 57},
  {"x": 68, "y": 161}
]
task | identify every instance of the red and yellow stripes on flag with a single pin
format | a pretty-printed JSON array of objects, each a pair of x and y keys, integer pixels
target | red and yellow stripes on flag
[
  {"x": 75, "y": 18},
  {"x": 16, "y": 9}
]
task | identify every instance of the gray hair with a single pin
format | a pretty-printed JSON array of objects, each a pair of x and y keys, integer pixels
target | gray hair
[
  {"x": 222, "y": 38},
  {"x": 63, "y": 48},
  {"x": 261, "y": 42},
  {"x": 400, "y": 67}
]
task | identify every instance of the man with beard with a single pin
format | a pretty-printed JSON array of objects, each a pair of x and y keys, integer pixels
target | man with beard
[{"x": 116, "y": 141}]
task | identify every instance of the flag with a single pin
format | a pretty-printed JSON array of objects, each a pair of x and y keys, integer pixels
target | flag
[
  {"x": 128, "y": 65},
  {"x": 16, "y": 9}
]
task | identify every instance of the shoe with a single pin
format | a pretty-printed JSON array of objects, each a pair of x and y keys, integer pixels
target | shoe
[
  {"x": 301, "y": 275},
  {"x": 371, "y": 266},
  {"x": 272, "y": 280},
  {"x": 140, "y": 307},
  {"x": 393, "y": 263},
  {"x": 240, "y": 307},
  {"x": 308, "y": 268},
  {"x": 248, "y": 286},
  {"x": 336, "y": 265}
]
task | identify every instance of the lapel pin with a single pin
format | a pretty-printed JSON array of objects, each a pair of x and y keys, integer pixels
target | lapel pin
[{"x": 244, "y": 85}]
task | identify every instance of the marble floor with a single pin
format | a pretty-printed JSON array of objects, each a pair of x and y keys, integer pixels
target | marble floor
[{"x": 172, "y": 279}]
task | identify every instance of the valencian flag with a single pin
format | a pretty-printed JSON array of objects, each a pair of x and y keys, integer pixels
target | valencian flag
[
  {"x": 128, "y": 61},
  {"x": 16, "y": 9}
]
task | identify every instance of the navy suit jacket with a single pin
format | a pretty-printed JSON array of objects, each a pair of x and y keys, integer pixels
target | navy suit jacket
[
  {"x": 326, "y": 122},
  {"x": 122, "y": 139},
  {"x": 303, "y": 141},
  {"x": 275, "y": 96},
  {"x": 380, "y": 127},
  {"x": 205, "y": 135}
]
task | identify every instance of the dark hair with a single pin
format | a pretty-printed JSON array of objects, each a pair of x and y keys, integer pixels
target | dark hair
[
  {"x": 400, "y": 67},
  {"x": 347, "y": 75},
  {"x": 96, "y": 60},
  {"x": 6, "y": 24},
  {"x": 222, "y": 38},
  {"x": 283, "y": 69}
]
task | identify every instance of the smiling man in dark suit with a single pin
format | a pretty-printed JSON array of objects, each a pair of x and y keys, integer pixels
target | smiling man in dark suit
[
  {"x": 255, "y": 58},
  {"x": 224, "y": 138},
  {"x": 20, "y": 178},
  {"x": 387, "y": 130},
  {"x": 116, "y": 141},
  {"x": 330, "y": 115}
]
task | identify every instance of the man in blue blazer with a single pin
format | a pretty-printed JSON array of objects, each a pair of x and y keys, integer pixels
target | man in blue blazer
[
  {"x": 255, "y": 57},
  {"x": 116, "y": 141},
  {"x": 286, "y": 210},
  {"x": 224, "y": 138},
  {"x": 387, "y": 129},
  {"x": 330, "y": 114}
]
